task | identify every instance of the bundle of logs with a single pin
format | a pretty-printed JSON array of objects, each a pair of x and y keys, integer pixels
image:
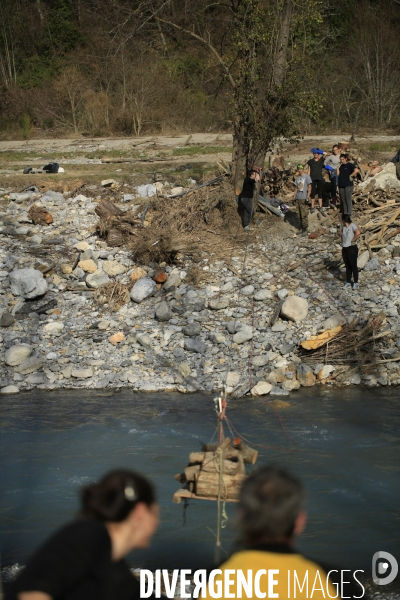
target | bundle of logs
[
  {"x": 116, "y": 225},
  {"x": 378, "y": 216},
  {"x": 216, "y": 471}
]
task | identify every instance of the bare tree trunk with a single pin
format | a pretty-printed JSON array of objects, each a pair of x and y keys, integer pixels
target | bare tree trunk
[{"x": 282, "y": 44}]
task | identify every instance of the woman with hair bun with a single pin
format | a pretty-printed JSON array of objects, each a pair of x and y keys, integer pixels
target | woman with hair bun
[{"x": 85, "y": 559}]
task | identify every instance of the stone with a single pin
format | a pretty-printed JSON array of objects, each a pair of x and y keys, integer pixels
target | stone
[
  {"x": 261, "y": 389},
  {"x": 282, "y": 294},
  {"x": 35, "y": 378},
  {"x": 9, "y": 389},
  {"x": 81, "y": 246},
  {"x": 30, "y": 365},
  {"x": 276, "y": 376},
  {"x": 89, "y": 266},
  {"x": 305, "y": 375},
  {"x": 295, "y": 308},
  {"x": 372, "y": 265},
  {"x": 142, "y": 289},
  {"x": 262, "y": 295},
  {"x": 109, "y": 182},
  {"x": 279, "y": 327},
  {"x": 232, "y": 379},
  {"x": 82, "y": 373},
  {"x": 217, "y": 338},
  {"x": 184, "y": 369},
  {"x": 290, "y": 385},
  {"x": 96, "y": 279},
  {"x": 244, "y": 335},
  {"x": 113, "y": 268},
  {"x": 324, "y": 372},
  {"x": 137, "y": 274},
  {"x": 248, "y": 290},
  {"x": 218, "y": 303},
  {"x": 192, "y": 329},
  {"x": 17, "y": 354},
  {"x": 53, "y": 328},
  {"x": 194, "y": 345},
  {"x": 333, "y": 321},
  {"x": 117, "y": 338},
  {"x": 278, "y": 391},
  {"x": 163, "y": 312},
  {"x": 260, "y": 361},
  {"x": 67, "y": 371},
  {"x": 362, "y": 259},
  {"x": 28, "y": 283},
  {"x": 144, "y": 340},
  {"x": 160, "y": 277},
  {"x": 6, "y": 319},
  {"x": 278, "y": 404},
  {"x": 172, "y": 282}
]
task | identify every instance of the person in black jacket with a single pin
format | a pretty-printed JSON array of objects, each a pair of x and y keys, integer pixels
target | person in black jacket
[
  {"x": 246, "y": 198},
  {"x": 85, "y": 559}
]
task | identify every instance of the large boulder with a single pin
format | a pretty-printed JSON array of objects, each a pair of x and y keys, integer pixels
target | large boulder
[
  {"x": 373, "y": 264},
  {"x": 6, "y": 319},
  {"x": 30, "y": 365},
  {"x": 305, "y": 375},
  {"x": 17, "y": 354},
  {"x": 28, "y": 283},
  {"x": 172, "y": 282},
  {"x": 142, "y": 289},
  {"x": 362, "y": 259},
  {"x": 294, "y": 308},
  {"x": 9, "y": 389}
]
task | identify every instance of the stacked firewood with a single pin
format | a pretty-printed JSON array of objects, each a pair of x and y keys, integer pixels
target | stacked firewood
[
  {"x": 378, "y": 216},
  {"x": 218, "y": 470}
]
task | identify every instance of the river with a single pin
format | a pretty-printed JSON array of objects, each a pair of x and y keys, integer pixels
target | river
[{"x": 348, "y": 450}]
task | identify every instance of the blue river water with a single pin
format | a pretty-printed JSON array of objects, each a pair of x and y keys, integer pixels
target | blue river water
[{"x": 348, "y": 455}]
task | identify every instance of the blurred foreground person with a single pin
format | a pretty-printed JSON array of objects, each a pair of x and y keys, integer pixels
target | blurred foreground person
[
  {"x": 84, "y": 560},
  {"x": 270, "y": 516}
]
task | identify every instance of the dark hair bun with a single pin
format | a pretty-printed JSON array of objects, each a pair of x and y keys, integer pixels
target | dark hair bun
[{"x": 115, "y": 495}]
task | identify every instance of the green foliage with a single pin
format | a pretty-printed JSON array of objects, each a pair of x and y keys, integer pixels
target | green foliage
[
  {"x": 37, "y": 70},
  {"x": 382, "y": 147},
  {"x": 63, "y": 30}
]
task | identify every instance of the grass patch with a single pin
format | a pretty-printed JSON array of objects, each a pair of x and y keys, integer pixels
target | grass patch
[
  {"x": 382, "y": 147},
  {"x": 193, "y": 150}
]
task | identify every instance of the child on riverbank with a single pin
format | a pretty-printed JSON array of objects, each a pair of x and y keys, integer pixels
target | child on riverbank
[{"x": 302, "y": 193}]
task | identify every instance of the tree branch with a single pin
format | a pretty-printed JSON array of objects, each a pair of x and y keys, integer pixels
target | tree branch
[{"x": 225, "y": 68}]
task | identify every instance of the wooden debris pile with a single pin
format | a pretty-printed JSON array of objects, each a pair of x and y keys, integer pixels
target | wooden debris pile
[
  {"x": 378, "y": 216},
  {"x": 115, "y": 225},
  {"x": 203, "y": 478},
  {"x": 349, "y": 345}
]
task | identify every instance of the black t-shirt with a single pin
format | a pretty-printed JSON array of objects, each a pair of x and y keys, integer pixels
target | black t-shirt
[
  {"x": 345, "y": 170},
  {"x": 316, "y": 167},
  {"x": 75, "y": 564},
  {"x": 248, "y": 188}
]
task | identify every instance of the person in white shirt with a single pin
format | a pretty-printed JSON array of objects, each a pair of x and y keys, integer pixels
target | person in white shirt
[{"x": 350, "y": 234}]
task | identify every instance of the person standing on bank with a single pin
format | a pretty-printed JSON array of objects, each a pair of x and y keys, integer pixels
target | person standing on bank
[
  {"x": 315, "y": 168},
  {"x": 246, "y": 198},
  {"x": 345, "y": 172},
  {"x": 350, "y": 235},
  {"x": 85, "y": 559},
  {"x": 302, "y": 193},
  {"x": 333, "y": 160}
]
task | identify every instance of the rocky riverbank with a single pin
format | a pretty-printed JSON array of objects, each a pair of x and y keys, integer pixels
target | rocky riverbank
[{"x": 240, "y": 320}]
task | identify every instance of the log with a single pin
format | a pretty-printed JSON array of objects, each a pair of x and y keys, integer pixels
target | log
[
  {"x": 207, "y": 484},
  {"x": 196, "y": 457},
  {"x": 112, "y": 160},
  {"x": 248, "y": 454},
  {"x": 115, "y": 237},
  {"x": 190, "y": 472},
  {"x": 106, "y": 208},
  {"x": 212, "y": 466}
]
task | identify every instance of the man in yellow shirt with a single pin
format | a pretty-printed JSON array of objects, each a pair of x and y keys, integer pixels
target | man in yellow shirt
[{"x": 270, "y": 516}]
